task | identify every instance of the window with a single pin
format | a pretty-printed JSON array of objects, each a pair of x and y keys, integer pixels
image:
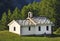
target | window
[
  {"x": 29, "y": 14},
  {"x": 14, "y": 29},
  {"x": 29, "y": 28},
  {"x": 47, "y": 28},
  {"x": 39, "y": 28}
]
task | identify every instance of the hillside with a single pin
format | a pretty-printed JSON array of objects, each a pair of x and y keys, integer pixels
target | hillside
[{"x": 7, "y": 36}]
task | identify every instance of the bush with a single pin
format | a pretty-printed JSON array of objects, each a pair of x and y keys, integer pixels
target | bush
[
  {"x": 58, "y": 31},
  {"x": 2, "y": 27}
]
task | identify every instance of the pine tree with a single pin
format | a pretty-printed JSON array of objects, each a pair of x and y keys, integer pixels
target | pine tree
[
  {"x": 16, "y": 14},
  {"x": 57, "y": 13},
  {"x": 47, "y": 9},
  {"x": 9, "y": 16},
  {"x": 24, "y": 12},
  {"x": 4, "y": 19}
]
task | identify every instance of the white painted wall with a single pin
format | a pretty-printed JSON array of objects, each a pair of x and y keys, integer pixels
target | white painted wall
[
  {"x": 43, "y": 30},
  {"x": 16, "y": 25},
  {"x": 25, "y": 31},
  {"x": 35, "y": 31}
]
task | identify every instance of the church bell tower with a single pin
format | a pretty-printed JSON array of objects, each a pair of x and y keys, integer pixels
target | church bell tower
[{"x": 30, "y": 14}]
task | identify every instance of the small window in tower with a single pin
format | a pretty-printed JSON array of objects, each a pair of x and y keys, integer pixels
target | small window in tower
[
  {"x": 14, "y": 28},
  {"x": 39, "y": 28},
  {"x": 29, "y": 14}
]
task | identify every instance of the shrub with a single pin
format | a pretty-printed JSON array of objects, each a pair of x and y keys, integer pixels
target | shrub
[
  {"x": 2, "y": 27},
  {"x": 58, "y": 31}
]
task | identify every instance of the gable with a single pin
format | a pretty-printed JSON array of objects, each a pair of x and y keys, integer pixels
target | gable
[
  {"x": 13, "y": 22},
  {"x": 32, "y": 21}
]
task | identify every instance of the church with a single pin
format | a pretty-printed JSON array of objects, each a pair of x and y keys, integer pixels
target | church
[{"x": 31, "y": 26}]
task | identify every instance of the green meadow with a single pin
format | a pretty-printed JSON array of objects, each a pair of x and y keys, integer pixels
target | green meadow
[{"x": 8, "y": 36}]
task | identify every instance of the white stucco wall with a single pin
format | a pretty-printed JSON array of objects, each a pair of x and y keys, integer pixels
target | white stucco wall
[{"x": 16, "y": 25}]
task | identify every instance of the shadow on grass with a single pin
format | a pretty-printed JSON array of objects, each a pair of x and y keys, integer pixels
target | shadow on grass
[
  {"x": 55, "y": 35},
  {"x": 49, "y": 36}
]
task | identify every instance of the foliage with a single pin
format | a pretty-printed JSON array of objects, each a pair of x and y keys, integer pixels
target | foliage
[
  {"x": 23, "y": 12},
  {"x": 2, "y": 27},
  {"x": 57, "y": 13},
  {"x": 4, "y": 19},
  {"x": 47, "y": 9},
  {"x": 9, "y": 16},
  {"x": 3, "y": 22},
  {"x": 31, "y": 7},
  {"x": 16, "y": 14},
  {"x": 44, "y": 8},
  {"x": 58, "y": 31}
]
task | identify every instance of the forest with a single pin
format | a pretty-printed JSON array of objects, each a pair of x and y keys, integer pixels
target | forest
[{"x": 47, "y": 8}]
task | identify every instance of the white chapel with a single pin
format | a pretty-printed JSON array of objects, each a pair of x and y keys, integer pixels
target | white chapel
[{"x": 31, "y": 25}]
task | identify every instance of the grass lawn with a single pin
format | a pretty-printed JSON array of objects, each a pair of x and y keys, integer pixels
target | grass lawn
[{"x": 7, "y": 36}]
